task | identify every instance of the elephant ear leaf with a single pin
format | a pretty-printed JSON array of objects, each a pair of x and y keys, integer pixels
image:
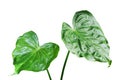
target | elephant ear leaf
[
  {"x": 28, "y": 55},
  {"x": 86, "y": 39}
]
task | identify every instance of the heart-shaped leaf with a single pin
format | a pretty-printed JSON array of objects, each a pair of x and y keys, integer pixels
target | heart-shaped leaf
[
  {"x": 28, "y": 55},
  {"x": 86, "y": 39}
]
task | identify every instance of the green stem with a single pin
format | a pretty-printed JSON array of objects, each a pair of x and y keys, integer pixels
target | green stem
[
  {"x": 63, "y": 69},
  {"x": 49, "y": 74}
]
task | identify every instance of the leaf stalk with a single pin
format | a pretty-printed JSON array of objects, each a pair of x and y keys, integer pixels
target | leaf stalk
[
  {"x": 49, "y": 74},
  {"x": 63, "y": 69}
]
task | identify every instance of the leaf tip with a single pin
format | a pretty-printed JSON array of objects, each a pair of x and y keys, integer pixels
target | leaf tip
[
  {"x": 13, "y": 74},
  {"x": 109, "y": 63}
]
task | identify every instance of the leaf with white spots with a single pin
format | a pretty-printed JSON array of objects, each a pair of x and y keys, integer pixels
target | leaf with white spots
[{"x": 86, "y": 38}]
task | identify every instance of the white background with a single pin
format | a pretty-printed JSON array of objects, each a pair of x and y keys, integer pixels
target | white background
[{"x": 45, "y": 17}]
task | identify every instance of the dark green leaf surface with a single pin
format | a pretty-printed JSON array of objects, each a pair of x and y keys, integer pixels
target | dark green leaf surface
[
  {"x": 86, "y": 39},
  {"x": 28, "y": 55}
]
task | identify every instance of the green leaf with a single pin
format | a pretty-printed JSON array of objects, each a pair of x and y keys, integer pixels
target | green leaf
[
  {"x": 86, "y": 39},
  {"x": 28, "y": 55}
]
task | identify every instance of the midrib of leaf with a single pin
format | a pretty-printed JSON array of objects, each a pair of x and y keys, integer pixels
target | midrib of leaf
[
  {"x": 29, "y": 57},
  {"x": 24, "y": 62}
]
